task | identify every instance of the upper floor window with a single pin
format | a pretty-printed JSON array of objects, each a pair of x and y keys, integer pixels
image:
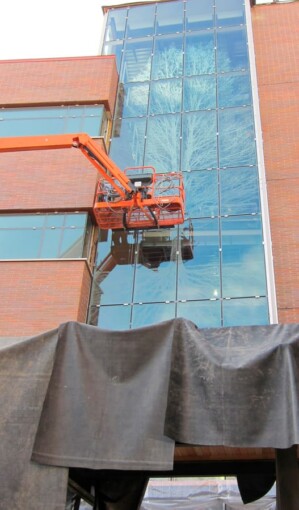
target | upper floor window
[
  {"x": 47, "y": 120},
  {"x": 44, "y": 236}
]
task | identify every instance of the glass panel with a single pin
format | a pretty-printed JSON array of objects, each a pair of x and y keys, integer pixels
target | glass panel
[
  {"x": 155, "y": 278},
  {"x": 133, "y": 100},
  {"x": 236, "y": 137},
  {"x": 166, "y": 96},
  {"x": 168, "y": 57},
  {"x": 144, "y": 315},
  {"x": 169, "y": 18},
  {"x": 234, "y": 90},
  {"x": 232, "y": 54},
  {"x": 163, "y": 143},
  {"x": 112, "y": 317},
  {"x": 205, "y": 314},
  {"x": 20, "y": 244},
  {"x": 230, "y": 12},
  {"x": 245, "y": 312},
  {"x": 50, "y": 243},
  {"x": 90, "y": 125},
  {"x": 72, "y": 243},
  {"x": 141, "y": 21},
  {"x": 26, "y": 221},
  {"x": 199, "y": 93},
  {"x": 239, "y": 191},
  {"x": 201, "y": 193},
  {"x": 114, "y": 48},
  {"x": 200, "y": 53},
  {"x": 199, "y": 143},
  {"x": 77, "y": 220},
  {"x": 199, "y": 15},
  {"x": 243, "y": 268},
  {"x": 113, "y": 278},
  {"x": 199, "y": 277},
  {"x": 54, "y": 220},
  {"x": 116, "y": 24},
  {"x": 128, "y": 141},
  {"x": 136, "y": 65},
  {"x": 80, "y": 125}
]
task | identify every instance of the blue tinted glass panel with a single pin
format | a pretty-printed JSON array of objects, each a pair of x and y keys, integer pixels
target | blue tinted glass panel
[
  {"x": 128, "y": 140},
  {"x": 114, "y": 48},
  {"x": 200, "y": 53},
  {"x": 199, "y": 277},
  {"x": 166, "y": 96},
  {"x": 243, "y": 268},
  {"x": 141, "y": 21},
  {"x": 234, "y": 90},
  {"x": 112, "y": 317},
  {"x": 236, "y": 137},
  {"x": 133, "y": 100},
  {"x": 199, "y": 93},
  {"x": 155, "y": 278},
  {"x": 20, "y": 244},
  {"x": 169, "y": 18},
  {"x": 50, "y": 243},
  {"x": 163, "y": 142},
  {"x": 19, "y": 221},
  {"x": 55, "y": 220},
  {"x": 232, "y": 54},
  {"x": 239, "y": 191},
  {"x": 72, "y": 243},
  {"x": 229, "y": 12},
  {"x": 144, "y": 315},
  {"x": 136, "y": 63},
  {"x": 205, "y": 314},
  {"x": 116, "y": 24},
  {"x": 201, "y": 193},
  {"x": 168, "y": 57},
  {"x": 199, "y": 15},
  {"x": 245, "y": 312},
  {"x": 74, "y": 220},
  {"x": 199, "y": 143}
]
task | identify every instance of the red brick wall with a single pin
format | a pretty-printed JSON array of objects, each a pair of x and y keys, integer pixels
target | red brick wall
[
  {"x": 37, "y": 296},
  {"x": 59, "y": 81},
  {"x": 276, "y": 41}
]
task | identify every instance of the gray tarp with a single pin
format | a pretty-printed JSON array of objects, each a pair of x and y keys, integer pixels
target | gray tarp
[{"x": 119, "y": 400}]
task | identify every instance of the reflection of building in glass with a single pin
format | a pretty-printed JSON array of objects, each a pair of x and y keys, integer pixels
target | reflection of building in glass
[{"x": 186, "y": 103}]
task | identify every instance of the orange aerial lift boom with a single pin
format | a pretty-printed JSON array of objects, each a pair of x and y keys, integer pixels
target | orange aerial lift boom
[{"x": 136, "y": 198}]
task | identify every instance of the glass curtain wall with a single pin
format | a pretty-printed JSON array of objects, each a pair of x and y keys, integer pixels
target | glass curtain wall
[{"x": 185, "y": 103}]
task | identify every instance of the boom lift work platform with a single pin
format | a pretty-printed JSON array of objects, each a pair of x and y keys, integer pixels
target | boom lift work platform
[{"x": 136, "y": 198}]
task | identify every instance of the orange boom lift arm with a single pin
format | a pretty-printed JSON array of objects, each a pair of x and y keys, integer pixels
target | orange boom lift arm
[{"x": 136, "y": 198}]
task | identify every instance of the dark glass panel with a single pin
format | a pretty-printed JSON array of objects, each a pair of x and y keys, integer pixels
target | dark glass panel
[
  {"x": 199, "y": 14},
  {"x": 239, "y": 191},
  {"x": 116, "y": 24},
  {"x": 245, "y": 312},
  {"x": 72, "y": 243},
  {"x": 243, "y": 267},
  {"x": 232, "y": 54},
  {"x": 20, "y": 244},
  {"x": 201, "y": 193},
  {"x": 113, "y": 278},
  {"x": 205, "y": 314},
  {"x": 168, "y": 57},
  {"x": 236, "y": 137},
  {"x": 199, "y": 93},
  {"x": 144, "y": 315},
  {"x": 111, "y": 317},
  {"x": 234, "y": 90},
  {"x": 169, "y": 17},
  {"x": 199, "y": 53},
  {"x": 199, "y": 276},
  {"x": 230, "y": 12},
  {"x": 136, "y": 63},
  {"x": 133, "y": 100},
  {"x": 199, "y": 143},
  {"x": 166, "y": 96},
  {"x": 114, "y": 48},
  {"x": 155, "y": 278},
  {"x": 127, "y": 145},
  {"x": 141, "y": 21},
  {"x": 163, "y": 143}
]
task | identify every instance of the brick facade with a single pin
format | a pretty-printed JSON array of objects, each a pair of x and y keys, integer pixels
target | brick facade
[{"x": 276, "y": 42}]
